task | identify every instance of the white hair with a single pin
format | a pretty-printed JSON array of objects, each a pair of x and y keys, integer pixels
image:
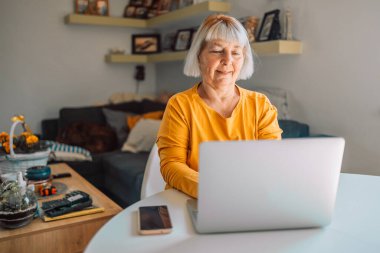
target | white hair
[{"x": 222, "y": 27}]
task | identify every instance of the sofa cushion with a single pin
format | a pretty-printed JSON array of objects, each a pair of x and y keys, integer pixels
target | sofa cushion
[
  {"x": 64, "y": 152},
  {"x": 95, "y": 137},
  {"x": 117, "y": 120},
  {"x": 143, "y": 136},
  {"x": 124, "y": 172}
]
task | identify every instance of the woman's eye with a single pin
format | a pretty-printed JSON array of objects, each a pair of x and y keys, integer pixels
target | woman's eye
[{"x": 217, "y": 51}]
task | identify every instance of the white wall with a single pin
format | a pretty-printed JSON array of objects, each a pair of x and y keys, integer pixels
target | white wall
[
  {"x": 334, "y": 85},
  {"x": 45, "y": 64}
]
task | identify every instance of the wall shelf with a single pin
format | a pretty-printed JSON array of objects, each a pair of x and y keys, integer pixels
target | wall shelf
[
  {"x": 276, "y": 47},
  {"x": 134, "y": 58},
  {"x": 186, "y": 15}
]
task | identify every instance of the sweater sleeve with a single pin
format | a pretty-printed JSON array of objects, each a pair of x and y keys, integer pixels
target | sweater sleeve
[
  {"x": 268, "y": 125},
  {"x": 172, "y": 142}
]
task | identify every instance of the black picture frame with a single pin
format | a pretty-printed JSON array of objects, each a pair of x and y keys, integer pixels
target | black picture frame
[
  {"x": 183, "y": 39},
  {"x": 146, "y": 43},
  {"x": 269, "y": 28},
  {"x": 141, "y": 12},
  {"x": 168, "y": 41},
  {"x": 129, "y": 11}
]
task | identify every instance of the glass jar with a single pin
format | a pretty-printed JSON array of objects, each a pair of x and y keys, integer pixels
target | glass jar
[{"x": 18, "y": 204}]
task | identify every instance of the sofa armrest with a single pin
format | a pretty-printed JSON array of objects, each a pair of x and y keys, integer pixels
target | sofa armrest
[{"x": 293, "y": 129}]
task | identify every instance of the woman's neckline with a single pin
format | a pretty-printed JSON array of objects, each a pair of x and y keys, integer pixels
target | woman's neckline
[{"x": 234, "y": 111}]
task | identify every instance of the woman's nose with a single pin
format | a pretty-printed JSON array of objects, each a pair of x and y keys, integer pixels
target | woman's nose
[{"x": 227, "y": 58}]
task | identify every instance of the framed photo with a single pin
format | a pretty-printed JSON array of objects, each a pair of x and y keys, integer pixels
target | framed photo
[
  {"x": 141, "y": 12},
  {"x": 146, "y": 43},
  {"x": 81, "y": 6},
  {"x": 102, "y": 7},
  {"x": 129, "y": 11},
  {"x": 98, "y": 7},
  {"x": 148, "y": 3},
  {"x": 268, "y": 26},
  {"x": 164, "y": 6},
  {"x": 168, "y": 41},
  {"x": 183, "y": 39},
  {"x": 250, "y": 24}
]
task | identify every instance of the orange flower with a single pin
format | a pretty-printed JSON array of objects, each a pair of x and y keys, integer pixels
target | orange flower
[
  {"x": 4, "y": 137},
  {"x": 26, "y": 134},
  {"x": 31, "y": 139},
  {"x": 7, "y": 148}
]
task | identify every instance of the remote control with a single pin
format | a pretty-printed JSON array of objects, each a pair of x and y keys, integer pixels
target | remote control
[
  {"x": 68, "y": 209},
  {"x": 61, "y": 175},
  {"x": 72, "y": 201}
]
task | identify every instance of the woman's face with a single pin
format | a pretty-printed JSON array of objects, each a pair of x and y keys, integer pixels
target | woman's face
[{"x": 220, "y": 62}]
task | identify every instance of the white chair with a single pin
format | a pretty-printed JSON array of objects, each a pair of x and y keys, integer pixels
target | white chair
[{"x": 152, "y": 182}]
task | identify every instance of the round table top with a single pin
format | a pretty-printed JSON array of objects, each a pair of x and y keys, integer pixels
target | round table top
[{"x": 355, "y": 227}]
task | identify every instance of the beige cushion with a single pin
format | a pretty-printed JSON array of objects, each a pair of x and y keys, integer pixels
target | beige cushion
[
  {"x": 142, "y": 136},
  {"x": 121, "y": 97}
]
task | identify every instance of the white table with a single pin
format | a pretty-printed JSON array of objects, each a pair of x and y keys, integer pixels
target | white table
[{"x": 355, "y": 227}]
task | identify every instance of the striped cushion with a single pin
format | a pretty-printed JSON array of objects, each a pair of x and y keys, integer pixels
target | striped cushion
[{"x": 65, "y": 152}]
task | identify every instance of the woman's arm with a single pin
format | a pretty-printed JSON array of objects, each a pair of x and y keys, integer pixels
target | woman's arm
[
  {"x": 268, "y": 125},
  {"x": 172, "y": 141}
]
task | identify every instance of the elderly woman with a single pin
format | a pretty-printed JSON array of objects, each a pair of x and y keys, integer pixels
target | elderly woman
[{"x": 216, "y": 108}]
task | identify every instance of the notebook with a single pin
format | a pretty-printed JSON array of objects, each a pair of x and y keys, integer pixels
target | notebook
[{"x": 266, "y": 184}]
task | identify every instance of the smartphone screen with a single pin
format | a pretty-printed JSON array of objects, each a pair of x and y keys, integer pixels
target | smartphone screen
[{"x": 154, "y": 220}]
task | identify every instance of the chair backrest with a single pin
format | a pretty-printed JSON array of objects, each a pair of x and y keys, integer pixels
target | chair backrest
[{"x": 152, "y": 181}]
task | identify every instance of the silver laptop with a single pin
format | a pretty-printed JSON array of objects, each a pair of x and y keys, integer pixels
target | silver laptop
[{"x": 266, "y": 185}]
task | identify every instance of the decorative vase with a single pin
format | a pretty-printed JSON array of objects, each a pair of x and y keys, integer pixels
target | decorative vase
[{"x": 18, "y": 204}]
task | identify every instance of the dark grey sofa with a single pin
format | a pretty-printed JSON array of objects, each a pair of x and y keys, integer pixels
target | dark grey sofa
[{"x": 119, "y": 174}]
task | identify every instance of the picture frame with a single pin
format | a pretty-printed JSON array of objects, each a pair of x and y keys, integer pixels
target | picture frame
[
  {"x": 146, "y": 43},
  {"x": 98, "y": 7},
  {"x": 148, "y": 3},
  {"x": 81, "y": 6},
  {"x": 183, "y": 39},
  {"x": 102, "y": 7},
  {"x": 152, "y": 12},
  {"x": 168, "y": 41},
  {"x": 129, "y": 11},
  {"x": 164, "y": 6},
  {"x": 250, "y": 24},
  {"x": 269, "y": 26},
  {"x": 141, "y": 12}
]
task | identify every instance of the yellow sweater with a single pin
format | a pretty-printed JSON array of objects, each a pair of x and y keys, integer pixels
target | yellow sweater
[{"x": 188, "y": 121}]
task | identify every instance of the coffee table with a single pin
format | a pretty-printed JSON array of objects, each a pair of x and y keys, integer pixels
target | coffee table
[{"x": 68, "y": 235}]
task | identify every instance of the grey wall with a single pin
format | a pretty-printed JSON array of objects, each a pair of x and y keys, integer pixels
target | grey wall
[
  {"x": 334, "y": 85},
  {"x": 45, "y": 64}
]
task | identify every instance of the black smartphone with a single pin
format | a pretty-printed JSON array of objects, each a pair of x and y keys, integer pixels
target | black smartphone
[{"x": 154, "y": 220}]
